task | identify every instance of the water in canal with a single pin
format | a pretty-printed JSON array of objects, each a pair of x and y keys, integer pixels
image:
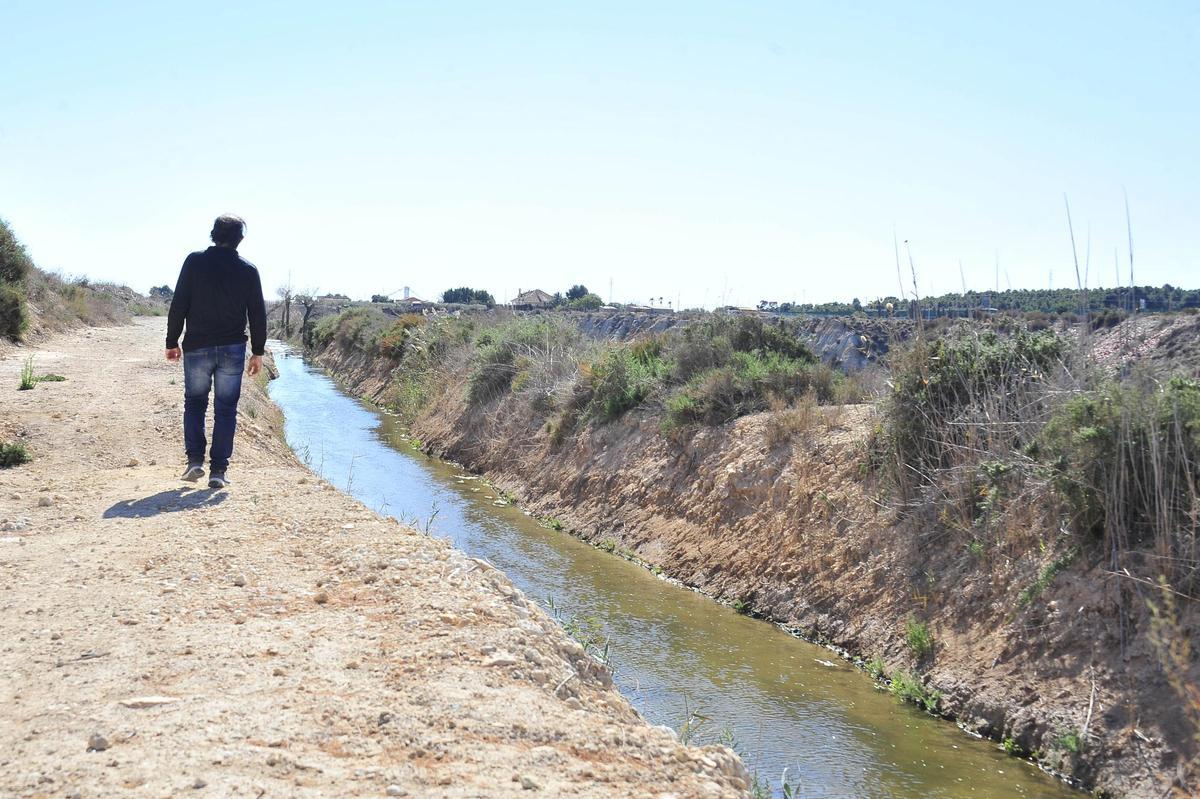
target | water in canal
[{"x": 787, "y": 703}]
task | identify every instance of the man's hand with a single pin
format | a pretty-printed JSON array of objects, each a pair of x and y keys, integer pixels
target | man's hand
[
  {"x": 173, "y": 354},
  {"x": 254, "y": 365}
]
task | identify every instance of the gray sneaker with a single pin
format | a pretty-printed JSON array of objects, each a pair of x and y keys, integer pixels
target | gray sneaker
[
  {"x": 193, "y": 473},
  {"x": 218, "y": 480}
]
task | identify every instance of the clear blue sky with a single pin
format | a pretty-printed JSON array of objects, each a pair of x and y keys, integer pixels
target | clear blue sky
[{"x": 694, "y": 150}]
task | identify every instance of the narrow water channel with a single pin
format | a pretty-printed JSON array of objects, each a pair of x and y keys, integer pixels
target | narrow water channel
[{"x": 788, "y": 704}]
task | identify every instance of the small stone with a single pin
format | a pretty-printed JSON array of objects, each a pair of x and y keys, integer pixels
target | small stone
[
  {"x": 97, "y": 743},
  {"x": 199, "y": 783},
  {"x": 272, "y": 759},
  {"x": 500, "y": 659},
  {"x": 45, "y": 502},
  {"x": 239, "y": 580},
  {"x": 278, "y": 672},
  {"x": 320, "y": 597},
  {"x": 55, "y": 636},
  {"x": 396, "y": 790},
  {"x": 353, "y": 664},
  {"x": 132, "y": 462},
  {"x": 142, "y": 702},
  {"x": 527, "y": 783}
]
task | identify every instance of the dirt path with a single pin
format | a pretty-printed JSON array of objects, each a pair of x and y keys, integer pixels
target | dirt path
[{"x": 277, "y": 639}]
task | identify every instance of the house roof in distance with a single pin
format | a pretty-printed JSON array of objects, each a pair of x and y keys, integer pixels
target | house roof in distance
[{"x": 535, "y": 297}]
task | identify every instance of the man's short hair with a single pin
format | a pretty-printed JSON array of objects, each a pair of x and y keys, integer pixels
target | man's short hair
[{"x": 228, "y": 229}]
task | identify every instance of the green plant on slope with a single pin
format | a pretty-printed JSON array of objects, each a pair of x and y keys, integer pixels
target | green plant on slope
[
  {"x": 953, "y": 395},
  {"x": 1070, "y": 741},
  {"x": 918, "y": 638},
  {"x": 587, "y": 631},
  {"x": 13, "y": 316},
  {"x": 1126, "y": 456},
  {"x": 28, "y": 380},
  {"x": 908, "y": 687},
  {"x": 693, "y": 722},
  {"x": 15, "y": 268},
  {"x": 13, "y": 453},
  {"x": 1046, "y": 576},
  {"x": 536, "y": 341},
  {"x": 623, "y": 377}
]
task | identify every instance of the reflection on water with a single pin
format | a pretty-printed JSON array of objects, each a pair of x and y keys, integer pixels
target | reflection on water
[{"x": 834, "y": 732}]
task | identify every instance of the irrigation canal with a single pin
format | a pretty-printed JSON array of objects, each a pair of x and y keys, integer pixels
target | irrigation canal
[{"x": 786, "y": 703}]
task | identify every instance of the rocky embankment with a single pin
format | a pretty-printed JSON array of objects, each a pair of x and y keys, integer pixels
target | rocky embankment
[
  {"x": 782, "y": 514},
  {"x": 275, "y": 639}
]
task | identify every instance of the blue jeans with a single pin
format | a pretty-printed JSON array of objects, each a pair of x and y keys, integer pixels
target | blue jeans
[{"x": 221, "y": 369}]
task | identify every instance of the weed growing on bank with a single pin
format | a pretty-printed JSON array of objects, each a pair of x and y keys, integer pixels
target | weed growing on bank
[
  {"x": 918, "y": 638},
  {"x": 908, "y": 687},
  {"x": 587, "y": 631},
  {"x": 28, "y": 378},
  {"x": 13, "y": 453}
]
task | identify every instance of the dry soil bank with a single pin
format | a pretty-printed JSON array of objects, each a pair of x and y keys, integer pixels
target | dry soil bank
[{"x": 275, "y": 639}]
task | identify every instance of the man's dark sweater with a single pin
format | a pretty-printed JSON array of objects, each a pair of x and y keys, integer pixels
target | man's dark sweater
[{"x": 217, "y": 292}]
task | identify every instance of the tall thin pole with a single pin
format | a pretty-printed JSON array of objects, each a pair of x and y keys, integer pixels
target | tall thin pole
[{"x": 1129, "y": 231}]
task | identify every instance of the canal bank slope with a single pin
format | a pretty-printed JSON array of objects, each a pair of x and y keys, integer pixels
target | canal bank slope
[
  {"x": 274, "y": 639},
  {"x": 780, "y": 515}
]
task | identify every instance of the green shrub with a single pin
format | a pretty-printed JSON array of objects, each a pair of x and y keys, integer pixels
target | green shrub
[
  {"x": 13, "y": 317},
  {"x": 1109, "y": 317},
  {"x": 916, "y": 635},
  {"x": 538, "y": 340},
  {"x": 877, "y": 669},
  {"x": 623, "y": 377},
  {"x": 588, "y": 302},
  {"x": 323, "y": 331},
  {"x": 15, "y": 263},
  {"x": 355, "y": 328},
  {"x": 746, "y": 385},
  {"x": 712, "y": 342},
  {"x": 908, "y": 687},
  {"x": 1127, "y": 459},
  {"x": 728, "y": 366},
  {"x": 394, "y": 339},
  {"x": 963, "y": 392},
  {"x": 13, "y": 453}
]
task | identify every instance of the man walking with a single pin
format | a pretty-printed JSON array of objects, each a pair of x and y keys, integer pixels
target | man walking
[{"x": 217, "y": 293}]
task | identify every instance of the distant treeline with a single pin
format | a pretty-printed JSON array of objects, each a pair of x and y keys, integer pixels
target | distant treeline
[{"x": 1061, "y": 301}]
